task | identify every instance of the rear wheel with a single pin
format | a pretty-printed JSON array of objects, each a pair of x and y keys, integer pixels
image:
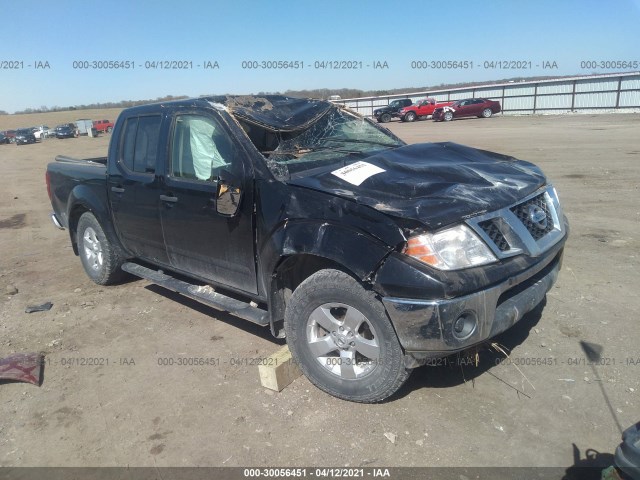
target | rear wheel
[
  {"x": 410, "y": 117},
  {"x": 486, "y": 113},
  {"x": 341, "y": 337},
  {"x": 100, "y": 258}
]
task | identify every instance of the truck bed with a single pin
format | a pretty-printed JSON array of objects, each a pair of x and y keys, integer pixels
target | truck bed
[{"x": 81, "y": 177}]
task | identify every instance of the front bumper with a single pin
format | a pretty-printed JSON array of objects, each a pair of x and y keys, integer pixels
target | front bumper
[{"x": 436, "y": 328}]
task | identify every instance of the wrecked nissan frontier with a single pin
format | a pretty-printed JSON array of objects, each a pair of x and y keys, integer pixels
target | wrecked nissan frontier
[{"x": 370, "y": 256}]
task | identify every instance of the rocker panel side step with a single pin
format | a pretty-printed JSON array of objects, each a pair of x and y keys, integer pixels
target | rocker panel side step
[{"x": 203, "y": 294}]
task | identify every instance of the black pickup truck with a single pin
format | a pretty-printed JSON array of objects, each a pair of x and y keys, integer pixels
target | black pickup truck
[
  {"x": 385, "y": 114},
  {"x": 370, "y": 255}
]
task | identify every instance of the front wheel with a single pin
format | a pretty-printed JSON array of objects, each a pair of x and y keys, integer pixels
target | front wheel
[
  {"x": 410, "y": 117},
  {"x": 342, "y": 339},
  {"x": 486, "y": 113},
  {"x": 100, "y": 258},
  {"x": 448, "y": 116},
  {"x": 385, "y": 118}
]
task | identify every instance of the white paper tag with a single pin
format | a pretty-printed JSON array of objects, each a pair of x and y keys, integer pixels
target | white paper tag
[{"x": 358, "y": 172}]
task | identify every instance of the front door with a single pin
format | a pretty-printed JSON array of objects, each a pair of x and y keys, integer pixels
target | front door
[
  {"x": 199, "y": 240},
  {"x": 464, "y": 108}
]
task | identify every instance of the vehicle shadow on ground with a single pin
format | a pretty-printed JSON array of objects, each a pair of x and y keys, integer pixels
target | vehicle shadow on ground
[
  {"x": 458, "y": 369},
  {"x": 589, "y": 468},
  {"x": 217, "y": 315}
]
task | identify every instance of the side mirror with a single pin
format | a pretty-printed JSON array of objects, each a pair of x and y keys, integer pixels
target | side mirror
[{"x": 228, "y": 194}]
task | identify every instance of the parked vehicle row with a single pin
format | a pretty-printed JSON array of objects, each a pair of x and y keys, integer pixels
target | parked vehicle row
[
  {"x": 407, "y": 111},
  {"x": 24, "y": 136}
]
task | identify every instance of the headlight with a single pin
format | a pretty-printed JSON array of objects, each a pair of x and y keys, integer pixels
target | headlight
[{"x": 451, "y": 249}]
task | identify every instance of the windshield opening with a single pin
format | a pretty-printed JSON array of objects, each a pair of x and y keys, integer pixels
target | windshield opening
[{"x": 337, "y": 137}]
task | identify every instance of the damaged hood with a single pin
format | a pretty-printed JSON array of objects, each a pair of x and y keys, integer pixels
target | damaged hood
[{"x": 435, "y": 184}]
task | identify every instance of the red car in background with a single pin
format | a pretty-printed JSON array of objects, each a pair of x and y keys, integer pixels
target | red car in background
[
  {"x": 9, "y": 136},
  {"x": 469, "y": 107},
  {"x": 103, "y": 125},
  {"x": 421, "y": 109}
]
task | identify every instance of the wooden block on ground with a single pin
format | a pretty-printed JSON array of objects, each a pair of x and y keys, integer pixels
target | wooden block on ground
[{"x": 278, "y": 370}]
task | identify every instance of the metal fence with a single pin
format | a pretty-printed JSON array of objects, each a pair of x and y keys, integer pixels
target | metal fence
[{"x": 592, "y": 93}]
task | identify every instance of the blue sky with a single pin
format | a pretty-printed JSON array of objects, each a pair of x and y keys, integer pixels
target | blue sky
[{"x": 230, "y": 32}]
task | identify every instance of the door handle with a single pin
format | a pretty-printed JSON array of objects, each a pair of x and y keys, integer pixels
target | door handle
[
  {"x": 117, "y": 189},
  {"x": 167, "y": 198}
]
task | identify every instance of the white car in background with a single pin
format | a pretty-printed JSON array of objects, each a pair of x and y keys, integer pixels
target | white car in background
[{"x": 42, "y": 131}]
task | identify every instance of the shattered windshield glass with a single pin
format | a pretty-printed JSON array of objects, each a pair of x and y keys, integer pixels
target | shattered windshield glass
[{"x": 339, "y": 137}]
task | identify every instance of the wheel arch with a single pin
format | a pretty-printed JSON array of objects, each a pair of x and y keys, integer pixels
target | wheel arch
[
  {"x": 82, "y": 199},
  {"x": 291, "y": 272},
  {"x": 301, "y": 255}
]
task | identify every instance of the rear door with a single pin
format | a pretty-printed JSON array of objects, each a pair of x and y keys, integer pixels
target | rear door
[
  {"x": 199, "y": 240},
  {"x": 133, "y": 188},
  {"x": 477, "y": 106}
]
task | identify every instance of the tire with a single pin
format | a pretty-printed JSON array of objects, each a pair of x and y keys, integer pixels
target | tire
[
  {"x": 109, "y": 129},
  {"x": 448, "y": 116},
  {"x": 330, "y": 319},
  {"x": 486, "y": 113},
  {"x": 385, "y": 118},
  {"x": 100, "y": 257},
  {"x": 410, "y": 117}
]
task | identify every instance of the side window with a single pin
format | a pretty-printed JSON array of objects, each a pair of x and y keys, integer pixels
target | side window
[
  {"x": 129, "y": 142},
  {"x": 201, "y": 148},
  {"x": 140, "y": 143}
]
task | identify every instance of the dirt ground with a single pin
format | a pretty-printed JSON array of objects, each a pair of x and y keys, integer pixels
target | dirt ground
[{"x": 135, "y": 411}]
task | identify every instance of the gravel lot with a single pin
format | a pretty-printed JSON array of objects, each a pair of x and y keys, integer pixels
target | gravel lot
[{"x": 134, "y": 411}]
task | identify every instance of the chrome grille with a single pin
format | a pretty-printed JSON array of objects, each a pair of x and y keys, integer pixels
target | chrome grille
[
  {"x": 524, "y": 213},
  {"x": 531, "y": 227},
  {"x": 493, "y": 232}
]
